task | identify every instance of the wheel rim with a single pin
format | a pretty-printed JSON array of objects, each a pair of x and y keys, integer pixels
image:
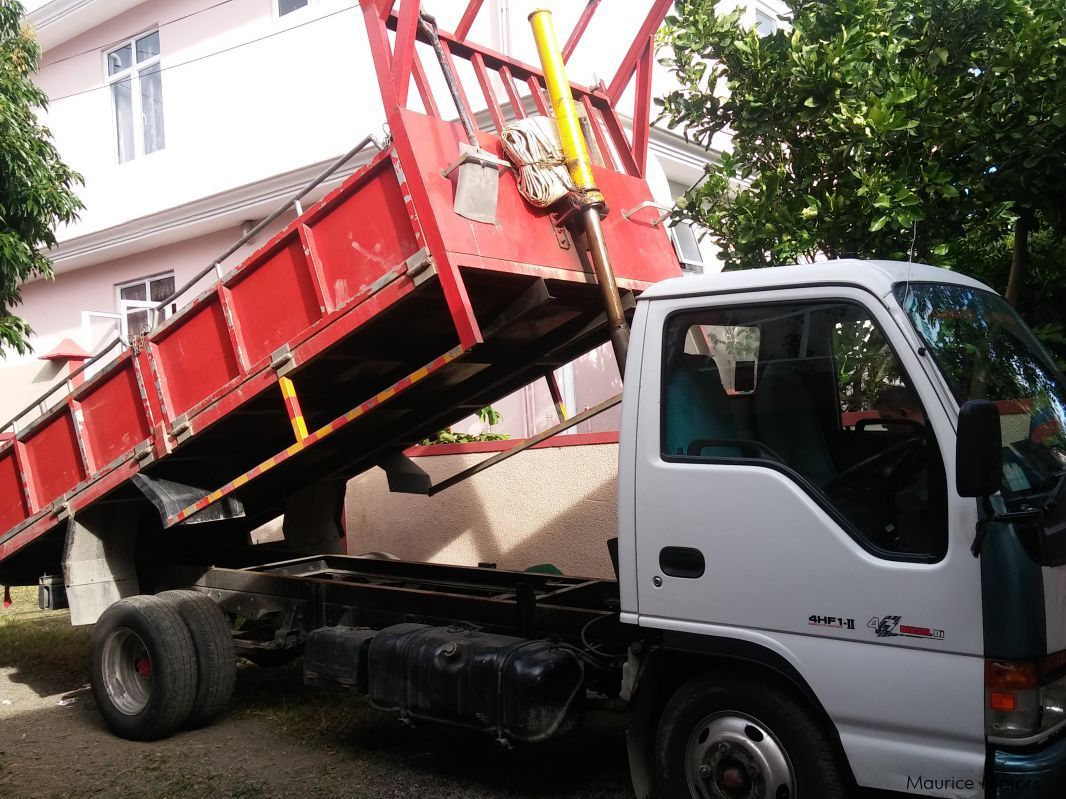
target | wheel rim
[
  {"x": 733, "y": 756},
  {"x": 127, "y": 671}
]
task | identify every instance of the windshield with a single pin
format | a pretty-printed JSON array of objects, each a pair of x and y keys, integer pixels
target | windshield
[{"x": 985, "y": 351}]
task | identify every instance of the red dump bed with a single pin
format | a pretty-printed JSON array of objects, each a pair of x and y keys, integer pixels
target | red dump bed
[{"x": 376, "y": 318}]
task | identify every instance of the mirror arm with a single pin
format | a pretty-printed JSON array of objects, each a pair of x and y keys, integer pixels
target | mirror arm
[{"x": 992, "y": 516}]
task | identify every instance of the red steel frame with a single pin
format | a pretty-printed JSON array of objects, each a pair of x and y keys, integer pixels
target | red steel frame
[
  {"x": 397, "y": 64},
  {"x": 305, "y": 290}
]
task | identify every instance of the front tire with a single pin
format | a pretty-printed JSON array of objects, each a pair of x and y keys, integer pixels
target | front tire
[
  {"x": 142, "y": 668},
  {"x": 724, "y": 736}
]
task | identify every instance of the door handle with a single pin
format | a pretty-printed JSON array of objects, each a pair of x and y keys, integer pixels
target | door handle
[{"x": 684, "y": 562}]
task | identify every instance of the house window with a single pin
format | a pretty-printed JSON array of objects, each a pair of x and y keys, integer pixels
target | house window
[
  {"x": 137, "y": 299},
  {"x": 133, "y": 73},
  {"x": 687, "y": 247},
  {"x": 288, "y": 6},
  {"x": 685, "y": 237},
  {"x": 765, "y": 24}
]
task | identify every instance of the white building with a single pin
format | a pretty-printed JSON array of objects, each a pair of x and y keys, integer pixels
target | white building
[{"x": 192, "y": 118}]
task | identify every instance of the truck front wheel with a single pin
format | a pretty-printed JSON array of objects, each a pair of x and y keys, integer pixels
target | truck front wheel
[{"x": 723, "y": 736}]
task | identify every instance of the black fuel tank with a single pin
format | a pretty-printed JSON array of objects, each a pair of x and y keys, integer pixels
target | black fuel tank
[
  {"x": 337, "y": 655},
  {"x": 519, "y": 690}
]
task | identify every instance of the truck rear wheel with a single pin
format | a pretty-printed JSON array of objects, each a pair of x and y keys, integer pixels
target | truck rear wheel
[
  {"x": 216, "y": 658},
  {"x": 142, "y": 668},
  {"x": 727, "y": 737}
]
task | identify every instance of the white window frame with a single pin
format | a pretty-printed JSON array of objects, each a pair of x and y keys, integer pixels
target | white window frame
[
  {"x": 125, "y": 307},
  {"x": 131, "y": 73},
  {"x": 770, "y": 18},
  {"x": 776, "y": 12},
  {"x": 688, "y": 265}
]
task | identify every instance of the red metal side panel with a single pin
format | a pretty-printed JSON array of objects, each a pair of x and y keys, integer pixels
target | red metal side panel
[
  {"x": 524, "y": 235},
  {"x": 638, "y": 251},
  {"x": 53, "y": 457},
  {"x": 196, "y": 356},
  {"x": 367, "y": 235},
  {"x": 521, "y": 233},
  {"x": 114, "y": 415},
  {"x": 275, "y": 299},
  {"x": 12, "y": 506}
]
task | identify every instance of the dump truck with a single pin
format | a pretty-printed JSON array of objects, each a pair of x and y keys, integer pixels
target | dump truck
[{"x": 840, "y": 561}]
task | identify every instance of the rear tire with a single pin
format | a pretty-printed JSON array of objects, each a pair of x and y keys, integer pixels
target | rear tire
[
  {"x": 216, "y": 658},
  {"x": 724, "y": 735},
  {"x": 142, "y": 668}
]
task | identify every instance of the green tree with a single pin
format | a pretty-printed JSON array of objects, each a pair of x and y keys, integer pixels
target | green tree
[
  {"x": 872, "y": 128},
  {"x": 987, "y": 255},
  {"x": 36, "y": 187}
]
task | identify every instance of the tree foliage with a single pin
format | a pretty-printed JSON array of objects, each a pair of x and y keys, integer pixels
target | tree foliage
[
  {"x": 865, "y": 127},
  {"x": 986, "y": 255},
  {"x": 36, "y": 187}
]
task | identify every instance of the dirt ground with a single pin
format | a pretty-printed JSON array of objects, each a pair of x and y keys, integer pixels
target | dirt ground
[{"x": 279, "y": 740}]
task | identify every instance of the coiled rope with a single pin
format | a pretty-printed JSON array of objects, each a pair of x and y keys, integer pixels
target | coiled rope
[{"x": 532, "y": 144}]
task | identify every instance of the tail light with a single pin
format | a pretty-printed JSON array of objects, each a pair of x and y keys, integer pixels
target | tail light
[{"x": 1025, "y": 698}]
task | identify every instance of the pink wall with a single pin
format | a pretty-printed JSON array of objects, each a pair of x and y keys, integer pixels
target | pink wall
[{"x": 54, "y": 309}]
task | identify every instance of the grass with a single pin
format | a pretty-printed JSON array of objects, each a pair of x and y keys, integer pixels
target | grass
[
  {"x": 40, "y": 645},
  {"x": 278, "y": 697}
]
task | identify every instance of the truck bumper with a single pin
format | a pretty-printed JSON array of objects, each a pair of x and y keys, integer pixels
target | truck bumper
[{"x": 1037, "y": 774}]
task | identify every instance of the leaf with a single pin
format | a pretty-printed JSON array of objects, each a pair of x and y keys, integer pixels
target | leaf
[{"x": 965, "y": 111}]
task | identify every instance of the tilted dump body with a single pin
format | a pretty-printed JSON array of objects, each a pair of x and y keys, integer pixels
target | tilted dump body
[{"x": 374, "y": 319}]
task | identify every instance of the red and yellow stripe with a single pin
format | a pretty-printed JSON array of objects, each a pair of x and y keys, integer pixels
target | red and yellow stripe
[
  {"x": 325, "y": 431},
  {"x": 292, "y": 407}
]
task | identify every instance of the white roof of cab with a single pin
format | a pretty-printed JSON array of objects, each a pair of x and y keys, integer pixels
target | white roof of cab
[{"x": 878, "y": 276}]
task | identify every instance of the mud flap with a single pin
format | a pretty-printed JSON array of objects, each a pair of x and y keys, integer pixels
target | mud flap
[
  {"x": 643, "y": 724},
  {"x": 170, "y": 498},
  {"x": 98, "y": 560}
]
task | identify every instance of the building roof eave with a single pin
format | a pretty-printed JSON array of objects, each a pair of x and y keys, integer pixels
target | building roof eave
[{"x": 58, "y": 21}]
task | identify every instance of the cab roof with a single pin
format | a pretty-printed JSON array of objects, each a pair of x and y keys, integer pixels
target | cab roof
[{"x": 877, "y": 276}]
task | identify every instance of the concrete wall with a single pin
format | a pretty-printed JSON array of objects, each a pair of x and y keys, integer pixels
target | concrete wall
[{"x": 552, "y": 505}]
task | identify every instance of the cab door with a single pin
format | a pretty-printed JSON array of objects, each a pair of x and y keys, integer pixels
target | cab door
[{"x": 799, "y": 513}]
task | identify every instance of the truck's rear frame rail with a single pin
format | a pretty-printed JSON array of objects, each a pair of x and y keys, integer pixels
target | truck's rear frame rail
[{"x": 319, "y": 591}]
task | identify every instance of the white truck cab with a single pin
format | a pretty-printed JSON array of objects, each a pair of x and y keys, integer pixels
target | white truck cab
[{"x": 805, "y": 486}]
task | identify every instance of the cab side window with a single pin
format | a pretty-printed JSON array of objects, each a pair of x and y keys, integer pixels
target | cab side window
[{"x": 814, "y": 390}]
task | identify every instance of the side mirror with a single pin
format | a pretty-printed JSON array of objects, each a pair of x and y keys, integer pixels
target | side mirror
[{"x": 978, "y": 450}]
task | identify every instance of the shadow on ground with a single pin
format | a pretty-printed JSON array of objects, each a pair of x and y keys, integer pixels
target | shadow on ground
[
  {"x": 39, "y": 649},
  {"x": 588, "y": 762},
  {"x": 281, "y": 739}
]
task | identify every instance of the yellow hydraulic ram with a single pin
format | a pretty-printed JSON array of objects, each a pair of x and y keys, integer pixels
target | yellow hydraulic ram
[{"x": 580, "y": 168}]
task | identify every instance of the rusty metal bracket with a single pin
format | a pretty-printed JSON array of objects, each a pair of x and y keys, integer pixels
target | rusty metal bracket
[
  {"x": 182, "y": 428},
  {"x": 281, "y": 361},
  {"x": 562, "y": 237},
  {"x": 144, "y": 453},
  {"x": 636, "y": 209}
]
